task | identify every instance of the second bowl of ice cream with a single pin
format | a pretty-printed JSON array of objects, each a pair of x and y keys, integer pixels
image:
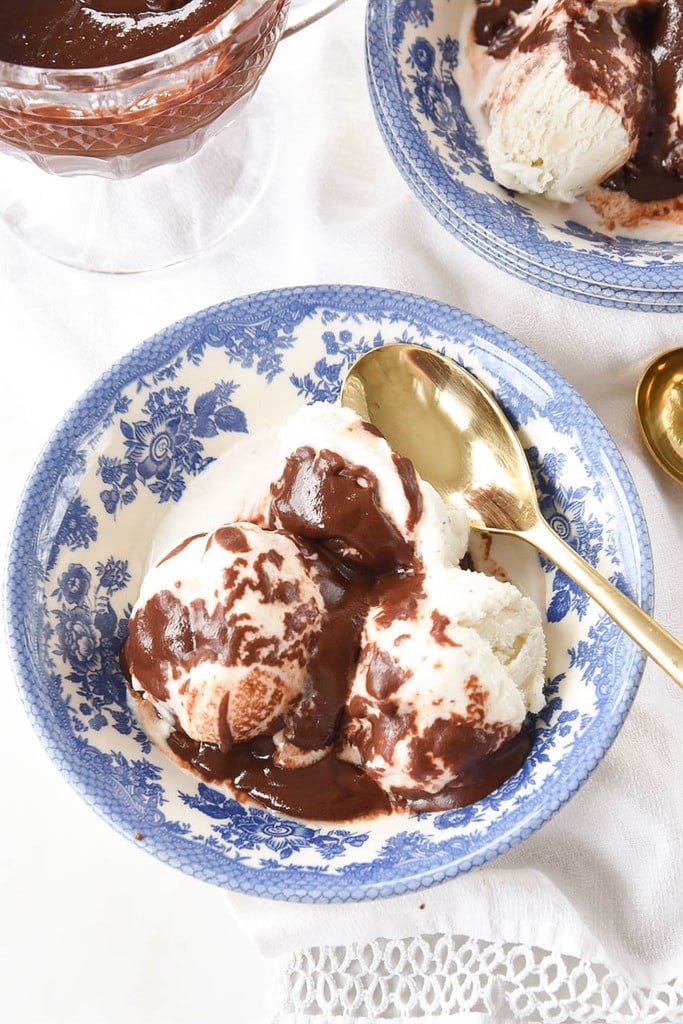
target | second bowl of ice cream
[
  {"x": 180, "y": 605},
  {"x": 544, "y": 134}
]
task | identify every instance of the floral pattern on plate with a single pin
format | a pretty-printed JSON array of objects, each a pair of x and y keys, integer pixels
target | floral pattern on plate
[{"x": 129, "y": 448}]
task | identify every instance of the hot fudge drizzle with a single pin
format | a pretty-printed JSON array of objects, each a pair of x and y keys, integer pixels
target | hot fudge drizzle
[{"x": 97, "y": 33}]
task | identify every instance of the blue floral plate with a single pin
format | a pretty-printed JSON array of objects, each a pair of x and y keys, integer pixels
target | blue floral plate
[
  {"x": 415, "y": 76},
  {"x": 127, "y": 451}
]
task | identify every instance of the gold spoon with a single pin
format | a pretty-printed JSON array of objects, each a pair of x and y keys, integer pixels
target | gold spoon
[
  {"x": 459, "y": 439},
  {"x": 659, "y": 409}
]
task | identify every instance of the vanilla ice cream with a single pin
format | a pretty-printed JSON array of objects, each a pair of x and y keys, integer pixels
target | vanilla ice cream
[
  {"x": 450, "y": 665},
  {"x": 284, "y": 654},
  {"x": 220, "y": 636},
  {"x": 567, "y": 102},
  {"x": 347, "y": 488}
]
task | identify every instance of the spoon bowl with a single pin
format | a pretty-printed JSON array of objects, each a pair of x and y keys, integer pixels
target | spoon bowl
[
  {"x": 659, "y": 411},
  {"x": 457, "y": 438},
  {"x": 436, "y": 413}
]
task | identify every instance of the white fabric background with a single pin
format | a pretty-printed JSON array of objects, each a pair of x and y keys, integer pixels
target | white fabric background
[{"x": 601, "y": 881}]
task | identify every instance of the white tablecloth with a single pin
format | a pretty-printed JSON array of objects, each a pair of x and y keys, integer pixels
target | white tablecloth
[{"x": 92, "y": 930}]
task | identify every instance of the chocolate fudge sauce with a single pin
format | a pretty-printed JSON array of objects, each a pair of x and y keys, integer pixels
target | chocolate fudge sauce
[
  {"x": 318, "y": 497},
  {"x": 651, "y": 37},
  {"x": 656, "y": 171},
  {"x": 361, "y": 561},
  {"x": 97, "y": 33}
]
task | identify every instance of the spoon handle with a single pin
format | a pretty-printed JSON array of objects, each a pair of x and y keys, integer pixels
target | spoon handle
[{"x": 660, "y": 645}]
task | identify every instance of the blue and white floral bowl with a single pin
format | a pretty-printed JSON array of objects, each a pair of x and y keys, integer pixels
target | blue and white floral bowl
[
  {"x": 129, "y": 448},
  {"x": 415, "y": 74}
]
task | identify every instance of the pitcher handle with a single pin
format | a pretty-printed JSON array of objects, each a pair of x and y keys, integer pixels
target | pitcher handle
[{"x": 309, "y": 12}]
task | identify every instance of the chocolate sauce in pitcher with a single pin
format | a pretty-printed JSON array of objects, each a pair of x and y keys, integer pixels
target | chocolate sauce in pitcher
[{"x": 97, "y": 33}]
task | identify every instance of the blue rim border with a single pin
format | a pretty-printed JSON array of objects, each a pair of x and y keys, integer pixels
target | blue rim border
[
  {"x": 181, "y": 851},
  {"x": 655, "y": 288}
]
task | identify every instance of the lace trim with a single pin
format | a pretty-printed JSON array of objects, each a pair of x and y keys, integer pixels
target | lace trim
[{"x": 435, "y": 975}]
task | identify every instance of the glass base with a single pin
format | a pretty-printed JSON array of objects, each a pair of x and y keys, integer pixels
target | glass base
[{"x": 154, "y": 219}]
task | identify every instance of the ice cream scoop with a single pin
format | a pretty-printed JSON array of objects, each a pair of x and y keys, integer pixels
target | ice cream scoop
[
  {"x": 220, "y": 636},
  {"x": 438, "y": 414},
  {"x": 566, "y": 106},
  {"x": 344, "y": 487},
  {"x": 450, "y": 665}
]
